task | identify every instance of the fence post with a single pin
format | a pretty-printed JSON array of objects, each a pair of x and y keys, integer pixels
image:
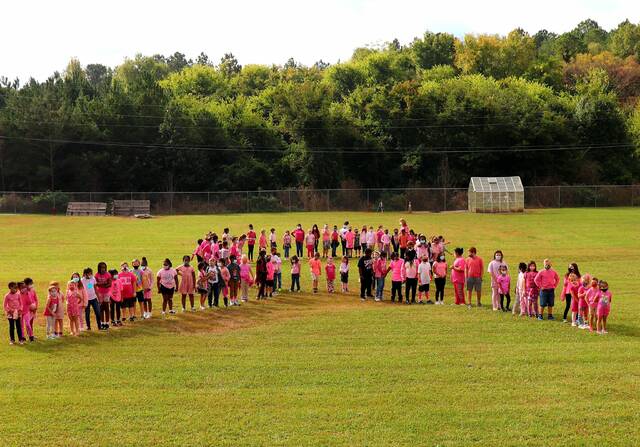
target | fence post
[
  {"x": 558, "y": 196},
  {"x": 328, "y": 200},
  {"x": 289, "y": 199},
  {"x": 90, "y": 197},
  {"x": 595, "y": 197},
  {"x": 368, "y": 204},
  {"x": 15, "y": 203},
  {"x": 247, "y": 201},
  {"x": 208, "y": 202},
  {"x": 444, "y": 202}
]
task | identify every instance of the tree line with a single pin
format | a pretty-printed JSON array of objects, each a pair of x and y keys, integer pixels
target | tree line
[{"x": 554, "y": 109}]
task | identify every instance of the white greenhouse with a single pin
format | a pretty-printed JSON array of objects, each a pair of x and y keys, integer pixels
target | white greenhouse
[{"x": 496, "y": 195}]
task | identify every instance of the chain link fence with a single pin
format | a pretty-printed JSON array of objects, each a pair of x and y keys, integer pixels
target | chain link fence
[{"x": 365, "y": 199}]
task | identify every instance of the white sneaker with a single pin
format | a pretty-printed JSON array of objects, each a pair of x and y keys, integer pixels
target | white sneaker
[
  {"x": 201, "y": 307},
  {"x": 184, "y": 310},
  {"x": 574, "y": 324},
  {"x": 193, "y": 309},
  {"x": 164, "y": 314}
]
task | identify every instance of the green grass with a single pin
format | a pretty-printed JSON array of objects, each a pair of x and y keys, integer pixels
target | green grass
[{"x": 328, "y": 370}]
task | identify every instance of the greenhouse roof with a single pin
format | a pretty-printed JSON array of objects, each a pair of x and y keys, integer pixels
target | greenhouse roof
[{"x": 496, "y": 184}]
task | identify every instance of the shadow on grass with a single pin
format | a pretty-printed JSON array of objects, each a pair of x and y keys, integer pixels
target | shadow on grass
[
  {"x": 284, "y": 307},
  {"x": 625, "y": 330}
]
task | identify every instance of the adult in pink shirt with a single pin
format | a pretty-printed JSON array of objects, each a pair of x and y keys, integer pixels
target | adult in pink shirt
[
  {"x": 547, "y": 280},
  {"x": 473, "y": 270},
  {"x": 457, "y": 276},
  {"x": 298, "y": 234}
]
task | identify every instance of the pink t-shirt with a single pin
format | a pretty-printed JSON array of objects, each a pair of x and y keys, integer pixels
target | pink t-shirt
[
  {"x": 12, "y": 305},
  {"x": 331, "y": 271},
  {"x": 271, "y": 269},
  {"x": 350, "y": 237},
  {"x": 101, "y": 280},
  {"x": 547, "y": 279},
  {"x": 245, "y": 272},
  {"x": 116, "y": 290},
  {"x": 315, "y": 266},
  {"x": 592, "y": 296},
  {"x": 397, "y": 273},
  {"x": 379, "y": 268},
  {"x": 410, "y": 270},
  {"x": 440, "y": 269},
  {"x": 167, "y": 277},
  {"x": 295, "y": 268},
  {"x": 475, "y": 267},
  {"x": 504, "y": 284},
  {"x": 311, "y": 239},
  {"x": 458, "y": 277},
  {"x": 128, "y": 282},
  {"x": 605, "y": 299}
]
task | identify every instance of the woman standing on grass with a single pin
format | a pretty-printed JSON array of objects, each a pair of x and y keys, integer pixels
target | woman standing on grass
[
  {"x": 494, "y": 270},
  {"x": 316, "y": 235},
  {"x": 167, "y": 282},
  {"x": 566, "y": 289}
]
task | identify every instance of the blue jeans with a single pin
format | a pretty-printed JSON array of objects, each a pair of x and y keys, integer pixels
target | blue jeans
[
  {"x": 286, "y": 251},
  {"x": 277, "y": 280},
  {"x": 379, "y": 287}
]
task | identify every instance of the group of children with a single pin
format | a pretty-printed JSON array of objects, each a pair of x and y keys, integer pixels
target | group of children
[{"x": 223, "y": 269}]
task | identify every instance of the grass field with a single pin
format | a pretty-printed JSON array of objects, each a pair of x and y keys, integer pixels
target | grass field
[{"x": 328, "y": 370}]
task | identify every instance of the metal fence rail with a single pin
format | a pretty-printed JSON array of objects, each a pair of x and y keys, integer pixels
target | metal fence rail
[{"x": 365, "y": 199}]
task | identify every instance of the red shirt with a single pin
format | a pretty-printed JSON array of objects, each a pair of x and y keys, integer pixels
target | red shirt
[
  {"x": 128, "y": 284},
  {"x": 251, "y": 237},
  {"x": 101, "y": 280},
  {"x": 475, "y": 267},
  {"x": 298, "y": 233}
]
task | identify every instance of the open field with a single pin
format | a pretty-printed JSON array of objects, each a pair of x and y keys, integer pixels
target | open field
[{"x": 328, "y": 370}]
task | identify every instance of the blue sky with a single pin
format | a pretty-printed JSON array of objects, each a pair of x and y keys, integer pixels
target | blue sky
[{"x": 39, "y": 37}]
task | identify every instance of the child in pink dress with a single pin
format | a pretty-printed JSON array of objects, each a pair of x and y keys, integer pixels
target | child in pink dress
[
  {"x": 532, "y": 289},
  {"x": 330, "y": 270},
  {"x": 604, "y": 307},
  {"x": 187, "y": 284}
]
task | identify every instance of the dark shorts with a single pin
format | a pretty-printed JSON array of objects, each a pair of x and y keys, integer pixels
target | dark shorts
[
  {"x": 166, "y": 291},
  {"x": 202, "y": 291},
  {"x": 547, "y": 297},
  {"x": 474, "y": 284},
  {"x": 344, "y": 277},
  {"x": 140, "y": 296},
  {"x": 423, "y": 287},
  {"x": 269, "y": 283},
  {"x": 129, "y": 302}
]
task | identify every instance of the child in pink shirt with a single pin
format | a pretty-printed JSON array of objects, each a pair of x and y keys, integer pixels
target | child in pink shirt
[
  {"x": 262, "y": 243},
  {"x": 592, "y": 298},
  {"x": 115, "y": 304},
  {"x": 246, "y": 278},
  {"x": 13, "y": 310},
  {"x": 330, "y": 270},
  {"x": 295, "y": 273},
  {"x": 271, "y": 270},
  {"x": 315, "y": 266},
  {"x": 397, "y": 277},
  {"x": 74, "y": 302},
  {"x": 604, "y": 307},
  {"x": 29, "y": 302},
  {"x": 504, "y": 287},
  {"x": 50, "y": 308}
]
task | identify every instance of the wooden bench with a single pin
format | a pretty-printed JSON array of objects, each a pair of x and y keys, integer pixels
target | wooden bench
[
  {"x": 131, "y": 207},
  {"x": 86, "y": 209}
]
